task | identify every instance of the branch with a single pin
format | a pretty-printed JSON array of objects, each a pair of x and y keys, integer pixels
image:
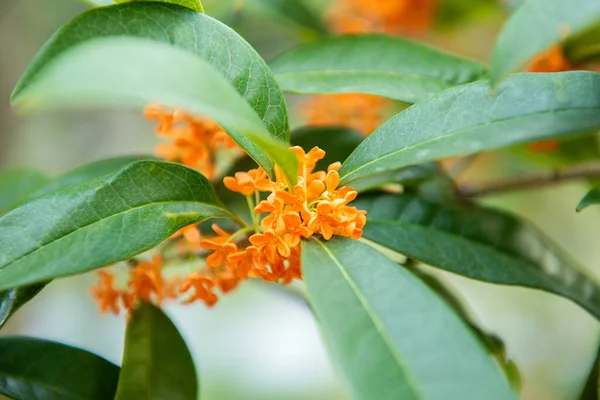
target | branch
[{"x": 531, "y": 181}]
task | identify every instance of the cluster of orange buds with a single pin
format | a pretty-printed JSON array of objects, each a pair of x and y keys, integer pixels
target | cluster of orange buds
[
  {"x": 361, "y": 112},
  {"x": 553, "y": 60},
  {"x": 192, "y": 141},
  {"x": 146, "y": 282},
  {"x": 314, "y": 205},
  {"x": 395, "y": 17}
]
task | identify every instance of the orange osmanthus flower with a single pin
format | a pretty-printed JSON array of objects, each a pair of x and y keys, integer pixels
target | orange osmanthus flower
[
  {"x": 192, "y": 140},
  {"x": 315, "y": 205},
  {"x": 395, "y": 17},
  {"x": 361, "y": 112}
]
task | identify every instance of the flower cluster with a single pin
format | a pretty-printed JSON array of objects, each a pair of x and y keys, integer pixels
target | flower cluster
[
  {"x": 396, "y": 17},
  {"x": 193, "y": 141},
  {"x": 361, "y": 112},
  {"x": 314, "y": 205},
  {"x": 146, "y": 282}
]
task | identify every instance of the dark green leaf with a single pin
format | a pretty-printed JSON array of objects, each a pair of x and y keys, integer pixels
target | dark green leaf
[
  {"x": 592, "y": 198},
  {"x": 535, "y": 27},
  {"x": 86, "y": 75},
  {"x": 157, "y": 364},
  {"x": 11, "y": 300},
  {"x": 375, "y": 64},
  {"x": 168, "y": 77},
  {"x": 525, "y": 108},
  {"x": 592, "y": 386},
  {"x": 191, "y": 4},
  {"x": 477, "y": 243},
  {"x": 391, "y": 336},
  {"x": 296, "y": 12},
  {"x": 40, "y": 369},
  {"x": 16, "y": 185},
  {"x": 85, "y": 173},
  {"x": 102, "y": 221},
  {"x": 584, "y": 47}
]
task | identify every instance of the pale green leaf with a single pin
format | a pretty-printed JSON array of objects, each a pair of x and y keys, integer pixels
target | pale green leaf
[
  {"x": 471, "y": 118},
  {"x": 157, "y": 364},
  {"x": 194, "y": 32},
  {"x": 390, "y": 335},
  {"x": 102, "y": 221},
  {"x": 477, "y": 243},
  {"x": 375, "y": 64},
  {"x": 535, "y": 27},
  {"x": 86, "y": 75}
]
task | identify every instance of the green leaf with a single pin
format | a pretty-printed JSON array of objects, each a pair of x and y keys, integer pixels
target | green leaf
[
  {"x": 584, "y": 47},
  {"x": 191, "y": 4},
  {"x": 526, "y": 107},
  {"x": 375, "y": 64},
  {"x": 86, "y": 75},
  {"x": 15, "y": 185},
  {"x": 391, "y": 336},
  {"x": 168, "y": 76},
  {"x": 11, "y": 300},
  {"x": 296, "y": 12},
  {"x": 535, "y": 27},
  {"x": 592, "y": 198},
  {"x": 156, "y": 363},
  {"x": 40, "y": 369},
  {"x": 477, "y": 243},
  {"x": 102, "y": 221},
  {"x": 85, "y": 173},
  {"x": 592, "y": 386}
]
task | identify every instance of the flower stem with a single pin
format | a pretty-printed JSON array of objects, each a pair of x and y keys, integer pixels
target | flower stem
[
  {"x": 240, "y": 232},
  {"x": 251, "y": 206}
]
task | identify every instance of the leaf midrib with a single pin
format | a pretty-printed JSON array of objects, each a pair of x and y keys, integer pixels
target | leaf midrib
[
  {"x": 151, "y": 204},
  {"x": 378, "y": 324},
  {"x": 398, "y": 74},
  {"x": 451, "y": 134}
]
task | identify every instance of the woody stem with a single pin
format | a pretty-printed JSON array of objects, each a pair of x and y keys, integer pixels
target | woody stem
[{"x": 532, "y": 181}]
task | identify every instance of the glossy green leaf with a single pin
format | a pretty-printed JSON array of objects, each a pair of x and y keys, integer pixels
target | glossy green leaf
[
  {"x": 86, "y": 75},
  {"x": 391, "y": 336},
  {"x": 197, "y": 33},
  {"x": 11, "y": 300},
  {"x": 477, "y": 243},
  {"x": 592, "y": 198},
  {"x": 195, "y": 5},
  {"x": 535, "y": 27},
  {"x": 102, "y": 221},
  {"x": 374, "y": 64},
  {"x": 296, "y": 12},
  {"x": 525, "y": 108},
  {"x": 40, "y": 369},
  {"x": 591, "y": 390},
  {"x": 169, "y": 77},
  {"x": 15, "y": 185},
  {"x": 157, "y": 364},
  {"x": 85, "y": 173}
]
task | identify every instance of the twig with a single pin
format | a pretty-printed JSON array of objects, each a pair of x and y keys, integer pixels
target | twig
[{"x": 531, "y": 181}]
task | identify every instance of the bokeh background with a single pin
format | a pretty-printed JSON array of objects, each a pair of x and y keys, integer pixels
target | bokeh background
[{"x": 261, "y": 342}]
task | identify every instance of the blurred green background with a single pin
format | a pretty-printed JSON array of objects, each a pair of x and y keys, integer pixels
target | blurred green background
[{"x": 260, "y": 342}]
